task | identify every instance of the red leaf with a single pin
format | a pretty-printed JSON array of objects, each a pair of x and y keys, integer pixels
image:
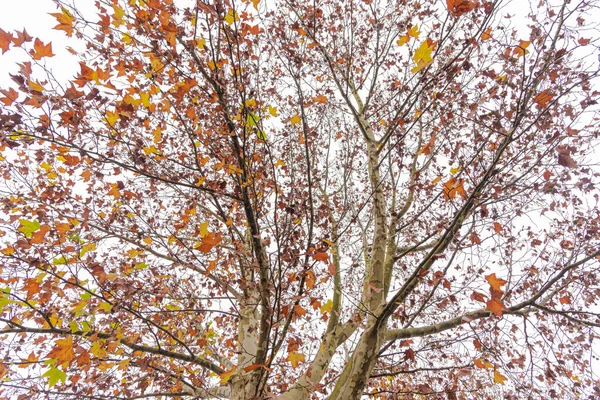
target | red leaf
[{"x": 583, "y": 41}]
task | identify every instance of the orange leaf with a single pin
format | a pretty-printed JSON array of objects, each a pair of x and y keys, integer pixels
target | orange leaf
[
  {"x": 478, "y": 297},
  {"x": 496, "y": 306},
  {"x": 495, "y": 282},
  {"x": 566, "y": 299},
  {"x": 460, "y": 7},
  {"x": 226, "y": 376},
  {"x": 486, "y": 35},
  {"x": 320, "y": 99},
  {"x": 38, "y": 236},
  {"x": 521, "y": 49},
  {"x": 65, "y": 21},
  {"x": 321, "y": 256},
  {"x": 543, "y": 98},
  {"x": 209, "y": 241},
  {"x": 63, "y": 351},
  {"x": 475, "y": 238},
  {"x": 41, "y": 50},
  {"x": 497, "y": 227},
  {"x": 453, "y": 187},
  {"x": 10, "y": 96},
  {"x": 5, "y": 40}
]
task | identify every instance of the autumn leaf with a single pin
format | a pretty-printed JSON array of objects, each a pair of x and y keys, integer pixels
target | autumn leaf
[
  {"x": 321, "y": 256},
  {"x": 63, "y": 351},
  {"x": 543, "y": 98},
  {"x": 5, "y": 40},
  {"x": 54, "y": 375},
  {"x": 496, "y": 306},
  {"x": 209, "y": 241},
  {"x": 226, "y": 376},
  {"x": 41, "y": 50},
  {"x": 28, "y": 227},
  {"x": 295, "y": 120},
  {"x": 413, "y": 31},
  {"x": 422, "y": 56},
  {"x": 521, "y": 49},
  {"x": 327, "y": 307},
  {"x": 403, "y": 40},
  {"x": 478, "y": 297},
  {"x": 564, "y": 157},
  {"x": 486, "y": 35},
  {"x": 295, "y": 359},
  {"x": 10, "y": 96},
  {"x": 65, "y": 21},
  {"x": 460, "y": 7},
  {"x": 495, "y": 282},
  {"x": 22, "y": 37},
  {"x": 499, "y": 378},
  {"x": 453, "y": 187}
]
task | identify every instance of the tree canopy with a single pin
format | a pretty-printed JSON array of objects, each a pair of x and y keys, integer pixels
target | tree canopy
[{"x": 302, "y": 199}]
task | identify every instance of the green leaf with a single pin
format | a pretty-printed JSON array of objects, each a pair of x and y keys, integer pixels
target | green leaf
[
  {"x": 54, "y": 375},
  {"x": 28, "y": 227},
  {"x": 252, "y": 121}
]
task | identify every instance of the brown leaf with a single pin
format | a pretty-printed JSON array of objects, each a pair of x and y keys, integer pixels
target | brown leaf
[
  {"x": 5, "y": 40},
  {"x": 564, "y": 157},
  {"x": 496, "y": 306}
]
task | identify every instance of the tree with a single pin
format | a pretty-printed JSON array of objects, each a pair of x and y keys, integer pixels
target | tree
[{"x": 300, "y": 199}]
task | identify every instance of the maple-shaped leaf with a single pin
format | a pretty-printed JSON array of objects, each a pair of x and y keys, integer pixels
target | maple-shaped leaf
[
  {"x": 21, "y": 38},
  {"x": 65, "y": 21},
  {"x": 327, "y": 307},
  {"x": 41, "y": 50},
  {"x": 564, "y": 157},
  {"x": 521, "y": 49},
  {"x": 495, "y": 282},
  {"x": 28, "y": 227},
  {"x": 496, "y": 306},
  {"x": 413, "y": 31},
  {"x": 295, "y": 359},
  {"x": 422, "y": 56},
  {"x": 5, "y": 40},
  {"x": 63, "y": 351},
  {"x": 403, "y": 40},
  {"x": 453, "y": 187},
  {"x": 39, "y": 235},
  {"x": 460, "y": 7},
  {"x": 295, "y": 120},
  {"x": 209, "y": 241},
  {"x": 10, "y": 96},
  {"x": 499, "y": 378},
  {"x": 54, "y": 375}
]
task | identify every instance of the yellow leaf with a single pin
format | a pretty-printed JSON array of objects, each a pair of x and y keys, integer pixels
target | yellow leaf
[
  {"x": 295, "y": 120},
  {"x": 454, "y": 170},
  {"x": 203, "y": 229},
  {"x": 499, "y": 378},
  {"x": 201, "y": 43},
  {"x": 250, "y": 103},
  {"x": 35, "y": 86},
  {"x": 273, "y": 111},
  {"x": 295, "y": 359},
  {"x": 255, "y": 3},
  {"x": 125, "y": 38},
  {"x": 403, "y": 40},
  {"x": 231, "y": 16},
  {"x": 112, "y": 118},
  {"x": 327, "y": 307},
  {"x": 413, "y": 31}
]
